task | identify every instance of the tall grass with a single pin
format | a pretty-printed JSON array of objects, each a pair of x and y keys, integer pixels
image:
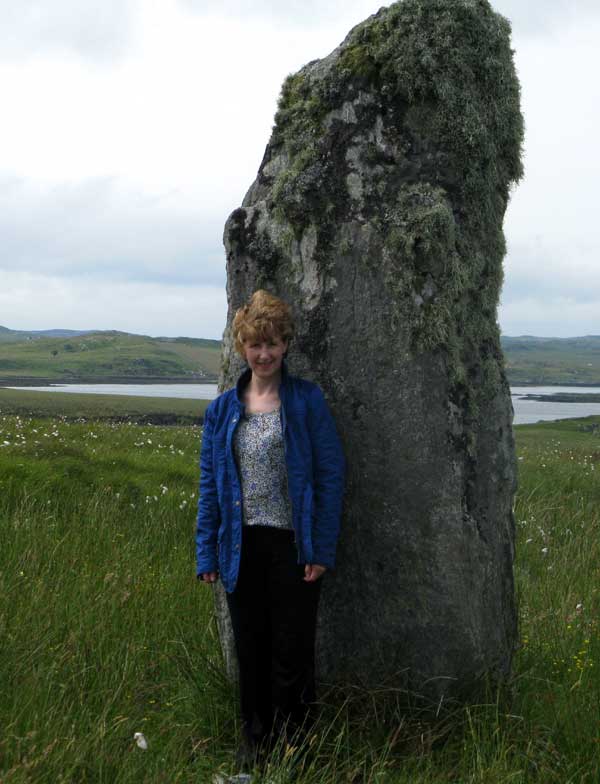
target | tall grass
[{"x": 104, "y": 631}]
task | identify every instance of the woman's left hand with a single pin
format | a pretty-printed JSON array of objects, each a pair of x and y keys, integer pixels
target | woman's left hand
[{"x": 312, "y": 572}]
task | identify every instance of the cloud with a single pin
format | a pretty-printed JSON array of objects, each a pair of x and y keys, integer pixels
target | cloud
[
  {"x": 96, "y": 30},
  {"x": 538, "y": 270},
  {"x": 120, "y": 178},
  {"x": 34, "y": 301},
  {"x": 179, "y": 110},
  {"x": 537, "y": 18},
  {"x": 99, "y": 229},
  {"x": 551, "y": 287},
  {"x": 289, "y": 13},
  {"x": 559, "y": 317},
  {"x": 529, "y": 19},
  {"x": 552, "y": 275}
]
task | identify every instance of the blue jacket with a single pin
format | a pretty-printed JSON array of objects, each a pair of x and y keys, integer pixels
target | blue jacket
[{"x": 315, "y": 467}]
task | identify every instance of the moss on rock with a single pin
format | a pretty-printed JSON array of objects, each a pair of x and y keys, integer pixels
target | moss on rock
[{"x": 447, "y": 64}]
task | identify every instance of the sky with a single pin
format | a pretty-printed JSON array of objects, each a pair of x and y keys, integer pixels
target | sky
[{"x": 132, "y": 128}]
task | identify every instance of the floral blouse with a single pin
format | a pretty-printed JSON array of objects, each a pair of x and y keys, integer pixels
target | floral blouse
[{"x": 260, "y": 456}]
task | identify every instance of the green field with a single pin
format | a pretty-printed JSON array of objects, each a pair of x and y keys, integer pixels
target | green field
[
  {"x": 71, "y": 405},
  {"x": 107, "y": 355},
  {"x": 105, "y": 631}
]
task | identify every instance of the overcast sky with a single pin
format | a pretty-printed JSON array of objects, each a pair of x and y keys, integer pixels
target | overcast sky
[{"x": 132, "y": 128}]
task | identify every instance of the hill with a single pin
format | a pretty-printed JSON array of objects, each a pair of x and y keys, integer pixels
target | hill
[
  {"x": 16, "y": 335},
  {"x": 546, "y": 361},
  {"x": 72, "y": 355},
  {"x": 105, "y": 356}
]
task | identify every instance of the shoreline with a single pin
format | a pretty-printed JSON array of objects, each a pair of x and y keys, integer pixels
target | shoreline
[
  {"x": 581, "y": 385},
  {"x": 31, "y": 381},
  {"x": 48, "y": 381},
  {"x": 565, "y": 397}
]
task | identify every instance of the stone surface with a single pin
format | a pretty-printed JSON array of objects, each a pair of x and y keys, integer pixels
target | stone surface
[{"x": 377, "y": 213}]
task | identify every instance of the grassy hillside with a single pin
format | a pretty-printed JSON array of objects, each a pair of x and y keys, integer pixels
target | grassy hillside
[
  {"x": 105, "y": 631},
  {"x": 17, "y": 335},
  {"x": 542, "y": 361},
  {"x": 105, "y": 355},
  {"x": 118, "y": 355}
]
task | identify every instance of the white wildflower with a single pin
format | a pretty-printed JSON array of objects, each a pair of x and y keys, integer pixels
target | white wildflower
[{"x": 140, "y": 740}]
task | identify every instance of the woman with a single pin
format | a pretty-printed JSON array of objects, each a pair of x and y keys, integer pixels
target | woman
[{"x": 271, "y": 485}]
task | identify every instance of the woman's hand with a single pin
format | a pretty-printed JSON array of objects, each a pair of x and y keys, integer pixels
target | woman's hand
[
  {"x": 209, "y": 577},
  {"x": 312, "y": 572}
]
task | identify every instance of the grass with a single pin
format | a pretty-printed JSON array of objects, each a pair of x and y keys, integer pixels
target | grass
[
  {"x": 105, "y": 631},
  {"x": 113, "y": 407}
]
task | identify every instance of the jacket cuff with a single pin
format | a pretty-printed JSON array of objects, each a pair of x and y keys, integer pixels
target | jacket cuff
[
  {"x": 206, "y": 567},
  {"x": 321, "y": 559}
]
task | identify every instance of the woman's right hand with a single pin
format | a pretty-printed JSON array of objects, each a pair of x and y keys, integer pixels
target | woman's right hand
[{"x": 209, "y": 577}]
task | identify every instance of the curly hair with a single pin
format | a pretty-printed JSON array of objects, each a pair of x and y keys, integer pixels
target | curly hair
[{"x": 263, "y": 318}]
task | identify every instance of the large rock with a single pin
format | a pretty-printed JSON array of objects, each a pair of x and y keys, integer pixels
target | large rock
[{"x": 377, "y": 213}]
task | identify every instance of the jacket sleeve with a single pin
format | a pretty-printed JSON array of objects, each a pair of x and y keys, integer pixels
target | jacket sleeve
[
  {"x": 328, "y": 478},
  {"x": 208, "y": 503}
]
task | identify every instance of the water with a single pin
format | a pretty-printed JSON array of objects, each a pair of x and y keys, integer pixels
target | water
[{"x": 525, "y": 410}]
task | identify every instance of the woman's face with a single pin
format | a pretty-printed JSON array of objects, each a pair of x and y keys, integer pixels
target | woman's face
[{"x": 264, "y": 356}]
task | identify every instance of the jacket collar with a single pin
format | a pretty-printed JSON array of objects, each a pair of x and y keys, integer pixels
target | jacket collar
[{"x": 245, "y": 377}]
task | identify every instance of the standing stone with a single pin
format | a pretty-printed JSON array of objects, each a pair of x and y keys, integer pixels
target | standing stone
[{"x": 377, "y": 214}]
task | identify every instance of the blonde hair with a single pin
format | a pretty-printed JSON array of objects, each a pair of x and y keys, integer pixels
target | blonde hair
[{"x": 263, "y": 318}]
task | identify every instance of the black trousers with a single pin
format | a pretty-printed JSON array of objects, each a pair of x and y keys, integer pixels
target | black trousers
[{"x": 273, "y": 614}]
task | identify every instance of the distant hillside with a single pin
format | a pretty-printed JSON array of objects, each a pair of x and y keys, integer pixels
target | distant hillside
[
  {"x": 546, "y": 361},
  {"x": 105, "y": 356},
  {"x": 70, "y": 355},
  {"x": 16, "y": 335}
]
